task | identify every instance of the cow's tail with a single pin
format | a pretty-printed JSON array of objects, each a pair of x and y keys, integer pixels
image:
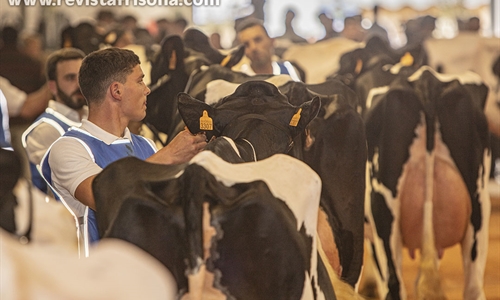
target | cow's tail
[{"x": 429, "y": 282}]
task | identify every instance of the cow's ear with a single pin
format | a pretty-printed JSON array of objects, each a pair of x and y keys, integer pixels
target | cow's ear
[
  {"x": 233, "y": 58},
  {"x": 173, "y": 51},
  {"x": 308, "y": 111},
  {"x": 197, "y": 115}
]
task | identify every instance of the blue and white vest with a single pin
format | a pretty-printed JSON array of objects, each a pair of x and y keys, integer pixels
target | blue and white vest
[
  {"x": 285, "y": 68},
  {"x": 61, "y": 124},
  {"x": 102, "y": 154}
]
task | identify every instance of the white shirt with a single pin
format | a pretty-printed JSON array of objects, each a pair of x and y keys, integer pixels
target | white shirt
[
  {"x": 15, "y": 97},
  {"x": 71, "y": 163},
  {"x": 43, "y": 134}
]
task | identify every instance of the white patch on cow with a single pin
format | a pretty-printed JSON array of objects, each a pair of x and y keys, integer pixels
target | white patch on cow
[
  {"x": 116, "y": 270},
  {"x": 218, "y": 89},
  {"x": 279, "y": 80},
  {"x": 395, "y": 242},
  {"x": 467, "y": 77},
  {"x": 374, "y": 92},
  {"x": 288, "y": 179},
  {"x": 330, "y": 109}
]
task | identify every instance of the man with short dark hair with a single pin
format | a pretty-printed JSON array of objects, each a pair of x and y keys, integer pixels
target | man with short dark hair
[
  {"x": 66, "y": 110},
  {"x": 259, "y": 48},
  {"x": 112, "y": 82}
]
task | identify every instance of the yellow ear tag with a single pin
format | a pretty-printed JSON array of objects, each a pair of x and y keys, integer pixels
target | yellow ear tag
[
  {"x": 359, "y": 66},
  {"x": 296, "y": 118},
  {"x": 406, "y": 60},
  {"x": 206, "y": 122},
  {"x": 226, "y": 59}
]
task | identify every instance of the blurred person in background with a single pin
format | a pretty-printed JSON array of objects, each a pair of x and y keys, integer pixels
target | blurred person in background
[
  {"x": 259, "y": 49},
  {"x": 19, "y": 68},
  {"x": 67, "y": 109}
]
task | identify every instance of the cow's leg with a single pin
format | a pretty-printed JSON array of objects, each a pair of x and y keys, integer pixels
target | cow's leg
[
  {"x": 388, "y": 240},
  {"x": 475, "y": 242}
]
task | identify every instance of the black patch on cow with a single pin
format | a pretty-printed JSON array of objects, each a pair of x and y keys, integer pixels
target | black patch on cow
[
  {"x": 156, "y": 229},
  {"x": 390, "y": 127},
  {"x": 258, "y": 241}
]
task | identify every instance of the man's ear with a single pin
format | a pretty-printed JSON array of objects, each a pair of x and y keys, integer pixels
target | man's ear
[
  {"x": 115, "y": 90},
  {"x": 52, "y": 84}
]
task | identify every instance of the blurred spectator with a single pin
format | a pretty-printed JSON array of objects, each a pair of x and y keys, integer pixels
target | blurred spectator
[
  {"x": 259, "y": 48},
  {"x": 353, "y": 29},
  {"x": 119, "y": 38},
  {"x": 162, "y": 26},
  {"x": 141, "y": 35},
  {"x": 327, "y": 23},
  {"x": 18, "y": 67},
  {"x": 105, "y": 21},
  {"x": 178, "y": 26},
  {"x": 84, "y": 37},
  {"x": 32, "y": 45}
]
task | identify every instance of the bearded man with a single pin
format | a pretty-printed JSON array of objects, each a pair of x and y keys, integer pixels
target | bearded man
[{"x": 67, "y": 108}]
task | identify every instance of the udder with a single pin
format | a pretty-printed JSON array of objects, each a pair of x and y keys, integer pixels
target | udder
[{"x": 450, "y": 198}]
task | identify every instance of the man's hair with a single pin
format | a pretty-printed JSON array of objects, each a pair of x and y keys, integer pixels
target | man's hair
[
  {"x": 101, "y": 68},
  {"x": 60, "y": 56},
  {"x": 250, "y": 22}
]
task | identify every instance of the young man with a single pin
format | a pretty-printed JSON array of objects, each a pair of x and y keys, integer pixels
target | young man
[
  {"x": 112, "y": 82},
  {"x": 259, "y": 48},
  {"x": 66, "y": 110}
]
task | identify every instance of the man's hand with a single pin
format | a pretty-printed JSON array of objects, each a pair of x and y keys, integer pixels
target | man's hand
[{"x": 181, "y": 149}]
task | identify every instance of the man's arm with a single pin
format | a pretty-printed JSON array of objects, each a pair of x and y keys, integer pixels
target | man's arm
[
  {"x": 24, "y": 105},
  {"x": 84, "y": 192},
  {"x": 181, "y": 149},
  {"x": 35, "y": 103}
]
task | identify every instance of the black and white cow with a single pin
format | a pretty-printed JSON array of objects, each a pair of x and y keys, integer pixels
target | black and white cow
[
  {"x": 264, "y": 214},
  {"x": 428, "y": 154},
  {"x": 335, "y": 147}
]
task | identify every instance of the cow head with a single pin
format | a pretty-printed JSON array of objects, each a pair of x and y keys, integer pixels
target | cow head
[
  {"x": 201, "y": 53},
  {"x": 256, "y": 112}
]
